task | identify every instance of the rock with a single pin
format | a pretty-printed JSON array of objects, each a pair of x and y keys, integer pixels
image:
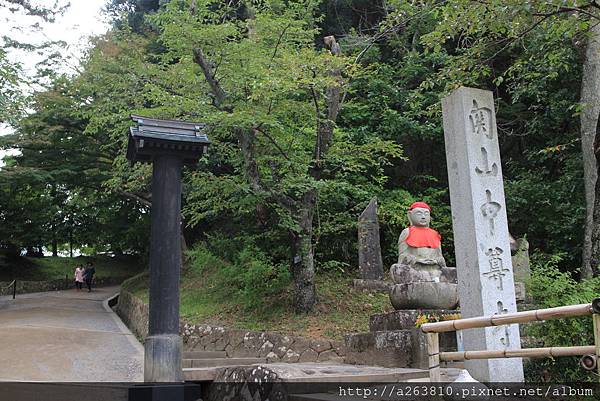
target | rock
[
  {"x": 308, "y": 355},
  {"x": 330, "y": 355},
  {"x": 236, "y": 337},
  {"x": 281, "y": 351},
  {"x": 300, "y": 344},
  {"x": 320, "y": 345},
  {"x": 290, "y": 356},
  {"x": 272, "y": 357},
  {"x": 338, "y": 347},
  {"x": 265, "y": 349}
]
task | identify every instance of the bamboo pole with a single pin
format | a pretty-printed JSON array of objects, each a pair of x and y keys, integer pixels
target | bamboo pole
[
  {"x": 508, "y": 318},
  {"x": 433, "y": 349},
  {"x": 548, "y": 352},
  {"x": 589, "y": 362}
]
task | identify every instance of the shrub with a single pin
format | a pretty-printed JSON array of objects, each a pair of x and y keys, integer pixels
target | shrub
[
  {"x": 250, "y": 279},
  {"x": 550, "y": 288}
]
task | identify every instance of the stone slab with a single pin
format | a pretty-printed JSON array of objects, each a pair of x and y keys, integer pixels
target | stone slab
[
  {"x": 319, "y": 372},
  {"x": 204, "y": 354},
  {"x": 479, "y": 220},
  {"x": 208, "y": 362}
]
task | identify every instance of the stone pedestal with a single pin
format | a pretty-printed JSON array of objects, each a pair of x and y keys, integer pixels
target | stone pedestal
[{"x": 395, "y": 341}]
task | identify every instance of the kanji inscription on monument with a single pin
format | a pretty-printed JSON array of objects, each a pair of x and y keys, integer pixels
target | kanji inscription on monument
[{"x": 483, "y": 260}]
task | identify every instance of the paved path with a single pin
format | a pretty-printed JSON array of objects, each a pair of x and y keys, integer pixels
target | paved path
[{"x": 66, "y": 336}]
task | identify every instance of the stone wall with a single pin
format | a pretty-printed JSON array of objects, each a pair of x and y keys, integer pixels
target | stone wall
[
  {"x": 134, "y": 313},
  {"x": 274, "y": 347},
  {"x": 26, "y": 287}
]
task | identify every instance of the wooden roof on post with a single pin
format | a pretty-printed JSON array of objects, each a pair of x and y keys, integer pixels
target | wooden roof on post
[{"x": 151, "y": 137}]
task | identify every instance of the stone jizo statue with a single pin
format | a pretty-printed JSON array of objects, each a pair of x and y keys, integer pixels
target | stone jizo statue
[
  {"x": 421, "y": 277},
  {"x": 419, "y": 244}
]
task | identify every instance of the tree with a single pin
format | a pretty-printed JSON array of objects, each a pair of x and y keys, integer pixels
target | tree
[
  {"x": 489, "y": 40},
  {"x": 590, "y": 104},
  {"x": 276, "y": 98}
]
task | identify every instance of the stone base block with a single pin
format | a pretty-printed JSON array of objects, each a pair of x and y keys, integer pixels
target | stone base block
[
  {"x": 162, "y": 359},
  {"x": 373, "y": 285},
  {"x": 403, "y": 319},
  {"x": 395, "y": 348},
  {"x": 520, "y": 294}
]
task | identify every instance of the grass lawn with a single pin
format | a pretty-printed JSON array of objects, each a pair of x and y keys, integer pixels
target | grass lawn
[
  {"x": 340, "y": 309},
  {"x": 50, "y": 268}
]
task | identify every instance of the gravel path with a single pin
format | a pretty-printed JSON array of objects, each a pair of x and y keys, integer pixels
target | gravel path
[{"x": 67, "y": 336}]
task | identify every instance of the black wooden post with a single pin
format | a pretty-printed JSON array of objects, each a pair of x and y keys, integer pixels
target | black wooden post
[
  {"x": 14, "y": 289},
  {"x": 163, "y": 346},
  {"x": 168, "y": 145}
]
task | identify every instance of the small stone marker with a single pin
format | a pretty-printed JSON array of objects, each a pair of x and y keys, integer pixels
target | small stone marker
[
  {"x": 370, "y": 263},
  {"x": 485, "y": 274}
]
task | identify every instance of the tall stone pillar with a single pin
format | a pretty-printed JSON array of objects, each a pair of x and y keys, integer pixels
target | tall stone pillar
[
  {"x": 370, "y": 263},
  {"x": 481, "y": 239}
]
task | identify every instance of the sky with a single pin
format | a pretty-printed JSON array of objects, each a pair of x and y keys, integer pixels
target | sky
[{"x": 80, "y": 21}]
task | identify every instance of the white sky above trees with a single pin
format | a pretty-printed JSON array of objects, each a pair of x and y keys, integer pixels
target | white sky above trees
[{"x": 80, "y": 21}]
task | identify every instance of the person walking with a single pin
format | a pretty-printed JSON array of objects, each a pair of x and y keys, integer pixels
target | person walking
[
  {"x": 88, "y": 275},
  {"x": 79, "y": 277}
]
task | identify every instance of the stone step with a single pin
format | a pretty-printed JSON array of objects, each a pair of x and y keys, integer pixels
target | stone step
[
  {"x": 212, "y": 362},
  {"x": 204, "y": 354},
  {"x": 319, "y": 373},
  {"x": 200, "y": 374},
  {"x": 347, "y": 390}
]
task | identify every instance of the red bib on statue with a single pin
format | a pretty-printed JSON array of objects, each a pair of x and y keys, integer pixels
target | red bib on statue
[{"x": 423, "y": 237}]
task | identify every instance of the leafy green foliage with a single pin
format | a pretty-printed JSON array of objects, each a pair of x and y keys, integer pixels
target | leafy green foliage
[
  {"x": 249, "y": 278},
  {"x": 550, "y": 288}
]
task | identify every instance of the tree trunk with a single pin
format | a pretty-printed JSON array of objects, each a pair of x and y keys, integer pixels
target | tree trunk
[
  {"x": 594, "y": 260},
  {"x": 590, "y": 100},
  {"x": 54, "y": 242},
  {"x": 303, "y": 266}
]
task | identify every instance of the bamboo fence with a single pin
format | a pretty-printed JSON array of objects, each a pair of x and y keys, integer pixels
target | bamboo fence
[{"x": 590, "y": 353}]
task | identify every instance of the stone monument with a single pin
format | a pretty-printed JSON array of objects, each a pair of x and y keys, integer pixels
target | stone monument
[
  {"x": 421, "y": 277},
  {"x": 485, "y": 275},
  {"x": 521, "y": 267},
  {"x": 370, "y": 264}
]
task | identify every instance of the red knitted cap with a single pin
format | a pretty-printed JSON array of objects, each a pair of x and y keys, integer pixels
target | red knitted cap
[{"x": 419, "y": 204}]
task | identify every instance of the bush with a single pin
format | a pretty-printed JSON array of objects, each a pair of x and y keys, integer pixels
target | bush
[
  {"x": 550, "y": 288},
  {"x": 250, "y": 279}
]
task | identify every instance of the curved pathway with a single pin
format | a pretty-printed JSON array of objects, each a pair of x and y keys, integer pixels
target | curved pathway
[{"x": 67, "y": 336}]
